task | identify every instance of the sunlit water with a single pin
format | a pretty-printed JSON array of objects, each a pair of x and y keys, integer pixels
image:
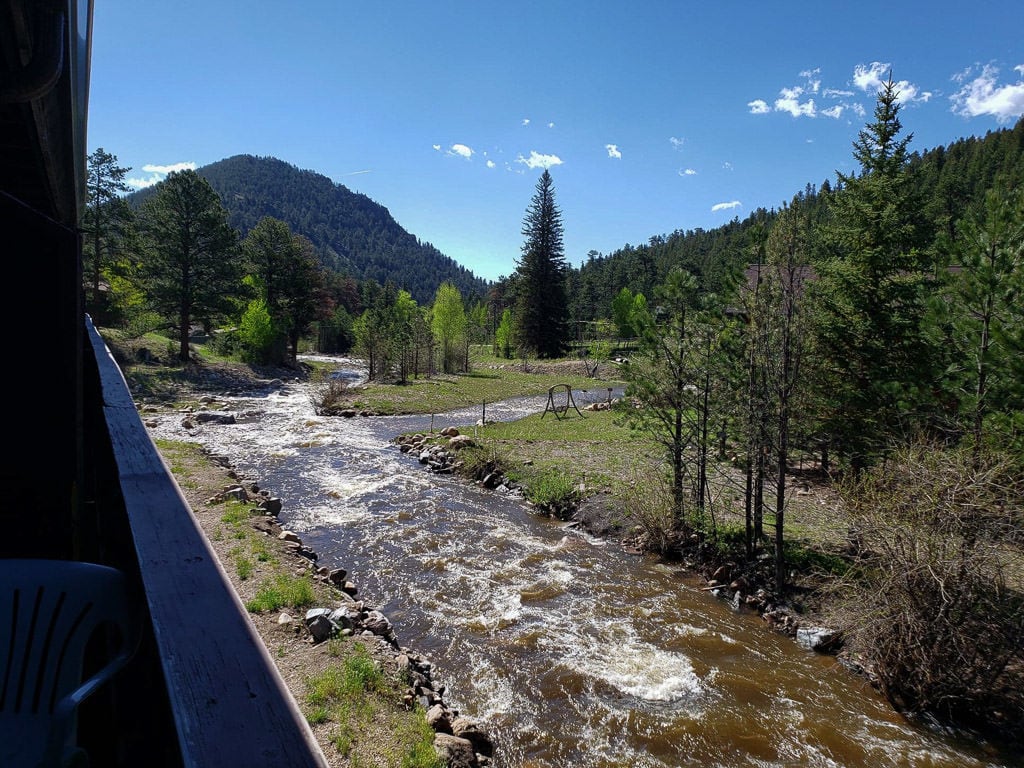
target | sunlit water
[{"x": 572, "y": 652}]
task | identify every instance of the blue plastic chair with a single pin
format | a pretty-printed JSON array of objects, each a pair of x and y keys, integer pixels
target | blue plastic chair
[{"x": 49, "y": 612}]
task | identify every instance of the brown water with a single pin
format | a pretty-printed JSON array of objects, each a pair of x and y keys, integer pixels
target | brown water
[{"x": 572, "y": 652}]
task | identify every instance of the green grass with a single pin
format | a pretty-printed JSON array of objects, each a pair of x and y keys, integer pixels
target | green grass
[
  {"x": 356, "y": 700},
  {"x": 490, "y": 380},
  {"x": 282, "y": 591}
]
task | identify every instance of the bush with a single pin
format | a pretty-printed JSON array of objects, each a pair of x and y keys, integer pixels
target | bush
[
  {"x": 652, "y": 511},
  {"x": 930, "y": 603},
  {"x": 329, "y": 396}
]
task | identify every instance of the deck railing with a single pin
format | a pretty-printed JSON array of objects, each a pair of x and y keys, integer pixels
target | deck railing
[{"x": 228, "y": 703}]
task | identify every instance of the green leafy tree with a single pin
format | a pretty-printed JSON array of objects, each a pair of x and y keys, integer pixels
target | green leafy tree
[
  {"x": 256, "y": 332},
  {"x": 189, "y": 266},
  {"x": 503, "y": 336},
  {"x": 871, "y": 295},
  {"x": 105, "y": 221},
  {"x": 541, "y": 306},
  {"x": 449, "y": 326},
  {"x": 403, "y": 334}
]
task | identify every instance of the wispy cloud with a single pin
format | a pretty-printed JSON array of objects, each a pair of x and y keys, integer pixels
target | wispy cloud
[
  {"x": 727, "y": 166},
  {"x": 725, "y": 206},
  {"x": 982, "y": 96},
  {"x": 537, "y": 160},
  {"x": 687, "y": 172},
  {"x": 157, "y": 173},
  {"x": 870, "y": 78},
  {"x": 551, "y": 125},
  {"x": 676, "y": 142},
  {"x": 490, "y": 163},
  {"x": 437, "y": 147},
  {"x": 613, "y": 151},
  {"x": 802, "y": 100},
  {"x": 526, "y": 121},
  {"x": 357, "y": 173}
]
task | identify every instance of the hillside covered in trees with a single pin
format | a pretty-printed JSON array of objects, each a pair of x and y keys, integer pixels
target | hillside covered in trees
[
  {"x": 352, "y": 234},
  {"x": 950, "y": 182}
]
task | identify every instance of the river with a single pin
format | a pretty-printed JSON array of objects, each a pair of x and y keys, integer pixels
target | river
[{"x": 571, "y": 652}]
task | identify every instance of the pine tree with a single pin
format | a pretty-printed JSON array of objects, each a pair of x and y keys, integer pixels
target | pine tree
[
  {"x": 104, "y": 220},
  {"x": 541, "y": 307},
  {"x": 189, "y": 267},
  {"x": 872, "y": 291}
]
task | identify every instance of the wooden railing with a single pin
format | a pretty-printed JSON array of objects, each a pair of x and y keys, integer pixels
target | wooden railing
[{"x": 228, "y": 702}]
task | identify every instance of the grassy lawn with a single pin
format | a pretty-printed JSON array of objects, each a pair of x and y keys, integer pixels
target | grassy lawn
[{"x": 490, "y": 379}]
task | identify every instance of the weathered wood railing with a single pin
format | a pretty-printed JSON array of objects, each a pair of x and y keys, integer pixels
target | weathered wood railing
[{"x": 229, "y": 704}]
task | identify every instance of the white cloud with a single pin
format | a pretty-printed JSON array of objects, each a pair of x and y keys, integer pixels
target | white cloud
[
  {"x": 759, "y": 107},
  {"x": 727, "y": 166},
  {"x": 858, "y": 110},
  {"x": 871, "y": 78},
  {"x": 836, "y": 93},
  {"x": 613, "y": 151},
  {"x": 982, "y": 96},
  {"x": 551, "y": 125},
  {"x": 676, "y": 142},
  {"x": 437, "y": 147},
  {"x": 725, "y": 206},
  {"x": 789, "y": 101},
  {"x": 537, "y": 160},
  {"x": 461, "y": 150},
  {"x": 687, "y": 172},
  {"x": 490, "y": 163},
  {"x": 526, "y": 121},
  {"x": 834, "y": 112},
  {"x": 157, "y": 173}
]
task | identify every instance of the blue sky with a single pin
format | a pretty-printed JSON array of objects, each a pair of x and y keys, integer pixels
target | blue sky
[{"x": 651, "y": 116}]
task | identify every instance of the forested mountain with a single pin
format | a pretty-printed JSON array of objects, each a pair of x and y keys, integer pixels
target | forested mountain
[
  {"x": 950, "y": 180},
  {"x": 353, "y": 234}
]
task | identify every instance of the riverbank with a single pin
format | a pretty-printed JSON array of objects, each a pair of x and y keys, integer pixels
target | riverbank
[
  {"x": 497, "y": 596},
  {"x": 368, "y": 699}
]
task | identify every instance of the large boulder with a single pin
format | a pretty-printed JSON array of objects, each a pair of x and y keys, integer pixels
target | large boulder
[
  {"x": 460, "y": 441},
  {"x": 454, "y": 752}
]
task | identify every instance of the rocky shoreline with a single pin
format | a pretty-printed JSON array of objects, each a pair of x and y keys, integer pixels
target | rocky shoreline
[{"x": 460, "y": 742}]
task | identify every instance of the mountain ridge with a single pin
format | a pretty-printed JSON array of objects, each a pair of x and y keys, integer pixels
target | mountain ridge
[{"x": 352, "y": 233}]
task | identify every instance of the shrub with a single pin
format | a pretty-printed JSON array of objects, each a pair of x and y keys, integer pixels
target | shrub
[
  {"x": 652, "y": 511},
  {"x": 930, "y": 602},
  {"x": 329, "y": 395}
]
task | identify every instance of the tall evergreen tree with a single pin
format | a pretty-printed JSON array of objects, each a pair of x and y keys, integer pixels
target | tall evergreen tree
[
  {"x": 985, "y": 303},
  {"x": 541, "y": 307},
  {"x": 872, "y": 291},
  {"x": 106, "y": 216},
  {"x": 189, "y": 266}
]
